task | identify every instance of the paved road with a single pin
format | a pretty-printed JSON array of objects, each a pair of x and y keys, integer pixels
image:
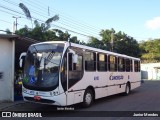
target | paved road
[{"x": 144, "y": 98}]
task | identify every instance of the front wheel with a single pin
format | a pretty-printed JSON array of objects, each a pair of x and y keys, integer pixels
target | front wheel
[{"x": 87, "y": 98}]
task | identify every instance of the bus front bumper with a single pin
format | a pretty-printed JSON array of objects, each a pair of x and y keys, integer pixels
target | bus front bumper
[{"x": 59, "y": 100}]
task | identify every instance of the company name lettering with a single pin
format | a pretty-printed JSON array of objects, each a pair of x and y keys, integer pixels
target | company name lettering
[{"x": 118, "y": 77}]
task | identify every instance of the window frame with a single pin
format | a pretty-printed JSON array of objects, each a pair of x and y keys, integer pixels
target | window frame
[
  {"x": 128, "y": 66},
  {"x": 114, "y": 64},
  {"x": 137, "y": 67},
  {"x": 123, "y": 64},
  {"x": 94, "y": 61},
  {"x": 100, "y": 62}
]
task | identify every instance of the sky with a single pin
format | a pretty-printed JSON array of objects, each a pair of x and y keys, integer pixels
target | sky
[{"x": 137, "y": 18}]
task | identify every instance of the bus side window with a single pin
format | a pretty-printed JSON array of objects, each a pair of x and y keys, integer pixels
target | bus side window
[
  {"x": 139, "y": 66},
  {"x": 101, "y": 62},
  {"x": 112, "y": 63},
  {"x": 121, "y": 64},
  {"x": 136, "y": 66},
  {"x": 90, "y": 61},
  {"x": 131, "y": 65},
  {"x": 128, "y": 65}
]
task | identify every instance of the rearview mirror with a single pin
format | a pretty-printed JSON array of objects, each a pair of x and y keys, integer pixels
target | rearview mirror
[
  {"x": 21, "y": 59},
  {"x": 75, "y": 58}
]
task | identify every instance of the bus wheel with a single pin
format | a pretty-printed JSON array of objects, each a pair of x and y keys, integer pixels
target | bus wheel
[
  {"x": 87, "y": 98},
  {"x": 127, "y": 90}
]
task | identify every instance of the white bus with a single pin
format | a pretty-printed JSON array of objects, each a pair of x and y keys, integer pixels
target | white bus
[{"x": 64, "y": 73}]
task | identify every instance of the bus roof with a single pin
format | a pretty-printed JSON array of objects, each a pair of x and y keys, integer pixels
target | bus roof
[{"x": 88, "y": 48}]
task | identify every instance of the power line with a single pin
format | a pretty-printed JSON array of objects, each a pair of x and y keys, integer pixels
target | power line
[
  {"x": 68, "y": 17},
  {"x": 90, "y": 32},
  {"x": 54, "y": 25},
  {"x": 6, "y": 21},
  {"x": 66, "y": 21},
  {"x": 43, "y": 22},
  {"x": 64, "y": 18}
]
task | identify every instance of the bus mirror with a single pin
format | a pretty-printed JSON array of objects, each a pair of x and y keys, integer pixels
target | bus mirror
[
  {"x": 75, "y": 58},
  {"x": 21, "y": 59},
  {"x": 20, "y": 63}
]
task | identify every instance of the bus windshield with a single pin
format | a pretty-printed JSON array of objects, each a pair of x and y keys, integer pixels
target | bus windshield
[{"x": 42, "y": 63}]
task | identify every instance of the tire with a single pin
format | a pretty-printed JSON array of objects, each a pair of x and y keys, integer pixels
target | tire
[
  {"x": 127, "y": 90},
  {"x": 88, "y": 98}
]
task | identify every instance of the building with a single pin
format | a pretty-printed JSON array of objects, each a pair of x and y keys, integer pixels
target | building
[
  {"x": 11, "y": 46},
  {"x": 150, "y": 71}
]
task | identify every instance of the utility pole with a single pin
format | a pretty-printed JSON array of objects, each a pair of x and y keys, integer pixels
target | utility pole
[
  {"x": 112, "y": 41},
  {"x": 15, "y": 24}
]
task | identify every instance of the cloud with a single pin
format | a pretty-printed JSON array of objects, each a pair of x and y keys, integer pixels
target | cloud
[{"x": 153, "y": 24}]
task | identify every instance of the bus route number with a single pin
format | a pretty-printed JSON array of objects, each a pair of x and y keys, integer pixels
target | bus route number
[{"x": 96, "y": 77}]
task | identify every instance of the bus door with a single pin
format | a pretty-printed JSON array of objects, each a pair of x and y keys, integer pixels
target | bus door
[{"x": 74, "y": 74}]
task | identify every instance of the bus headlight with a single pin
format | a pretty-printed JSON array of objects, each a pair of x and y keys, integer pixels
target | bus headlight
[
  {"x": 24, "y": 90},
  {"x": 51, "y": 93},
  {"x": 55, "y": 93}
]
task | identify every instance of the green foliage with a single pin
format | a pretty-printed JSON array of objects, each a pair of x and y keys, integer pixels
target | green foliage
[
  {"x": 150, "y": 50},
  {"x": 42, "y": 32},
  {"x": 8, "y": 31},
  {"x": 111, "y": 40},
  {"x": 94, "y": 42},
  {"x": 118, "y": 42}
]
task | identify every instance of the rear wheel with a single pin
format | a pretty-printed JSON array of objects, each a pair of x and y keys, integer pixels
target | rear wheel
[
  {"x": 127, "y": 90},
  {"x": 87, "y": 98}
]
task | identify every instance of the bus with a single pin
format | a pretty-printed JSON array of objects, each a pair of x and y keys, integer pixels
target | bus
[{"x": 64, "y": 73}]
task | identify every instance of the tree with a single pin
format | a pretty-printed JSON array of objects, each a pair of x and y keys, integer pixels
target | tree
[
  {"x": 120, "y": 42},
  {"x": 74, "y": 40},
  {"x": 94, "y": 42},
  {"x": 8, "y": 31},
  {"x": 40, "y": 32},
  {"x": 150, "y": 50}
]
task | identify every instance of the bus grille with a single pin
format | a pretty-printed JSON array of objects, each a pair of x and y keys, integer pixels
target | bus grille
[{"x": 41, "y": 100}]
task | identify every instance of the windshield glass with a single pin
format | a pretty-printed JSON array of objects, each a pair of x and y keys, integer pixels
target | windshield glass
[{"x": 41, "y": 70}]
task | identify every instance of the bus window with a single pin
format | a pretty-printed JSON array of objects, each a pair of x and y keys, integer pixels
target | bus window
[
  {"x": 112, "y": 63},
  {"x": 70, "y": 61},
  {"x": 101, "y": 62},
  {"x": 128, "y": 65},
  {"x": 75, "y": 69},
  {"x": 64, "y": 73},
  {"x": 131, "y": 65},
  {"x": 78, "y": 65},
  {"x": 90, "y": 61},
  {"x": 121, "y": 64},
  {"x": 136, "y": 66},
  {"x": 139, "y": 66}
]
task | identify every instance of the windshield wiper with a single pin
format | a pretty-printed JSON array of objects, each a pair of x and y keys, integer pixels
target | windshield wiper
[{"x": 48, "y": 59}]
